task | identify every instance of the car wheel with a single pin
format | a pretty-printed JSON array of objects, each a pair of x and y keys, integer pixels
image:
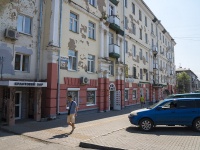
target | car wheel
[
  {"x": 196, "y": 124},
  {"x": 146, "y": 124}
]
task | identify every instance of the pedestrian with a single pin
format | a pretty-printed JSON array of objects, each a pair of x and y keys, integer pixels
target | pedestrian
[
  {"x": 142, "y": 101},
  {"x": 72, "y": 112}
]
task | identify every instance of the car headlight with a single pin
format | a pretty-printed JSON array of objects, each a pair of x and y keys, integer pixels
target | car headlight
[{"x": 133, "y": 114}]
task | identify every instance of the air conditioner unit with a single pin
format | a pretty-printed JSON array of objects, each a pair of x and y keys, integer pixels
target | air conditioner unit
[
  {"x": 85, "y": 80},
  {"x": 12, "y": 34}
]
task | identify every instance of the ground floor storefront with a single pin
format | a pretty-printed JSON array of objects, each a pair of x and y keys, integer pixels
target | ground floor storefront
[{"x": 20, "y": 100}]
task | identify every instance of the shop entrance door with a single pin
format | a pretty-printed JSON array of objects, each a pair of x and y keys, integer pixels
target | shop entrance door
[{"x": 18, "y": 96}]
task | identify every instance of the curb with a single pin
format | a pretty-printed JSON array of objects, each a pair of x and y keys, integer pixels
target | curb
[{"x": 94, "y": 146}]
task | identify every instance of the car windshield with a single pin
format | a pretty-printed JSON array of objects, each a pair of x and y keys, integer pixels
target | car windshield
[{"x": 155, "y": 105}]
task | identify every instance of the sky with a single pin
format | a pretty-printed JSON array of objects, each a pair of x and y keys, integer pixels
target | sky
[{"x": 181, "y": 18}]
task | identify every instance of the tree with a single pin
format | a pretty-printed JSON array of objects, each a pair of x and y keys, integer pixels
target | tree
[{"x": 183, "y": 82}]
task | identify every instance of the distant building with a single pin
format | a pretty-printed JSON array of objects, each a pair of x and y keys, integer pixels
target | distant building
[{"x": 194, "y": 82}]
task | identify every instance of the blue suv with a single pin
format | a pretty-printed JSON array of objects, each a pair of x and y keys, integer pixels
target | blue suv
[{"x": 178, "y": 111}]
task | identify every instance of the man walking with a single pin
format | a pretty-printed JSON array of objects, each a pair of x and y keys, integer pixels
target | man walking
[
  {"x": 72, "y": 112},
  {"x": 142, "y": 101}
]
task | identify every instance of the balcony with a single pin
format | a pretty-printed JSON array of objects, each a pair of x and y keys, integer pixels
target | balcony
[
  {"x": 115, "y": 2},
  {"x": 114, "y": 51},
  {"x": 155, "y": 66},
  {"x": 115, "y": 24},
  {"x": 155, "y": 49}
]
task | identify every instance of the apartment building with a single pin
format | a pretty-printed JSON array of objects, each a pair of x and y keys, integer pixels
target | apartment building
[
  {"x": 20, "y": 84},
  {"x": 105, "y": 53},
  {"x": 193, "y": 81}
]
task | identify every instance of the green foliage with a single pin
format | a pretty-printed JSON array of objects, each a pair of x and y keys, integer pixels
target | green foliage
[{"x": 183, "y": 81}]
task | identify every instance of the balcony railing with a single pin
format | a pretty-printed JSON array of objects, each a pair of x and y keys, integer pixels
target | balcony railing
[
  {"x": 155, "y": 49},
  {"x": 114, "y": 51},
  {"x": 115, "y": 24}
]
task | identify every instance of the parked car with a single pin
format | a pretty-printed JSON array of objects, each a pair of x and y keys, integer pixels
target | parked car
[
  {"x": 171, "y": 112},
  {"x": 185, "y": 95}
]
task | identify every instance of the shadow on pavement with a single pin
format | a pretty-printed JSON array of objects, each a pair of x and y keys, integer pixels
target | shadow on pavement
[
  {"x": 28, "y": 125},
  {"x": 166, "y": 130}
]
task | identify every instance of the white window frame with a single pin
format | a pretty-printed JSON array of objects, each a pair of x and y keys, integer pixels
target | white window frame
[
  {"x": 92, "y": 89},
  {"x": 133, "y": 8},
  {"x": 134, "y": 97},
  {"x": 133, "y": 28},
  {"x": 111, "y": 38},
  {"x": 72, "y": 22},
  {"x": 23, "y": 24},
  {"x": 90, "y": 62},
  {"x": 111, "y": 10},
  {"x": 71, "y": 67},
  {"x": 21, "y": 62},
  {"x": 74, "y": 90},
  {"x": 134, "y": 50},
  {"x": 126, "y": 89},
  {"x": 91, "y": 30},
  {"x": 111, "y": 68},
  {"x": 92, "y": 2}
]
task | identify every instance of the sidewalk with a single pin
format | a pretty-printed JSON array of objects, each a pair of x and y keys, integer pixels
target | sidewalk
[{"x": 88, "y": 126}]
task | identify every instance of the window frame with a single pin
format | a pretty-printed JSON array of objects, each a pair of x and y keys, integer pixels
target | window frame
[
  {"x": 95, "y": 99},
  {"x": 111, "y": 68},
  {"x": 71, "y": 68},
  {"x": 126, "y": 46},
  {"x": 24, "y": 24},
  {"x": 133, "y": 8},
  {"x": 134, "y": 50},
  {"x": 70, "y": 91},
  {"x": 91, "y": 30},
  {"x": 126, "y": 95},
  {"x": 21, "y": 63},
  {"x": 133, "y": 28},
  {"x": 140, "y": 34},
  {"x": 134, "y": 72},
  {"x": 134, "y": 94},
  {"x": 71, "y": 24},
  {"x": 90, "y": 62},
  {"x": 140, "y": 15},
  {"x": 92, "y": 3}
]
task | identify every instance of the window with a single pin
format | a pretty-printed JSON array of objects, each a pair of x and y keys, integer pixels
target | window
[
  {"x": 141, "y": 74},
  {"x": 146, "y": 38},
  {"x": 72, "y": 64},
  {"x": 140, "y": 54},
  {"x": 134, "y": 72},
  {"x": 133, "y": 8},
  {"x": 92, "y": 2},
  {"x": 133, "y": 28},
  {"x": 91, "y": 63},
  {"x": 134, "y": 51},
  {"x": 111, "y": 68},
  {"x": 160, "y": 35},
  {"x": 185, "y": 104},
  {"x": 163, "y": 39},
  {"x": 152, "y": 28},
  {"x": 73, "y": 22},
  {"x": 22, "y": 62},
  {"x": 147, "y": 76},
  {"x": 126, "y": 94},
  {"x": 145, "y": 21},
  {"x": 24, "y": 24},
  {"x": 74, "y": 92},
  {"x": 91, "y": 30},
  {"x": 125, "y": 3},
  {"x": 140, "y": 15},
  {"x": 126, "y": 23},
  {"x": 152, "y": 42},
  {"x": 147, "y": 57},
  {"x": 134, "y": 96},
  {"x": 140, "y": 34},
  {"x": 126, "y": 46},
  {"x": 91, "y": 97},
  {"x": 111, "y": 10},
  {"x": 111, "y": 38}
]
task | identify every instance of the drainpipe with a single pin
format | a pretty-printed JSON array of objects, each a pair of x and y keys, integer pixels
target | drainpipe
[
  {"x": 39, "y": 42},
  {"x": 58, "y": 84},
  {"x": 123, "y": 48}
]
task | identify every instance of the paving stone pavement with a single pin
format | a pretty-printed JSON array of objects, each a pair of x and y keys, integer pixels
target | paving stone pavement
[
  {"x": 109, "y": 130},
  {"x": 88, "y": 126}
]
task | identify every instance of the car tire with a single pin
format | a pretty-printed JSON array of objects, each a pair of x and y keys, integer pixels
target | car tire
[
  {"x": 196, "y": 124},
  {"x": 146, "y": 124}
]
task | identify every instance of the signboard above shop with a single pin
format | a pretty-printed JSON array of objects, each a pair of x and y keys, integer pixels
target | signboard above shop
[{"x": 23, "y": 84}]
